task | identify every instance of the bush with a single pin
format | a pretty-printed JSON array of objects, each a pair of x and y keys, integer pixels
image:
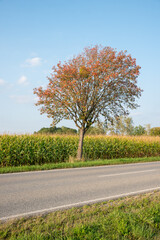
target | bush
[{"x": 39, "y": 149}]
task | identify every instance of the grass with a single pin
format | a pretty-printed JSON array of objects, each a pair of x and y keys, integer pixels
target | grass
[
  {"x": 133, "y": 218},
  {"x": 90, "y": 163}
]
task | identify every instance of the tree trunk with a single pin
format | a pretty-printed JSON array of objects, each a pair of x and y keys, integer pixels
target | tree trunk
[{"x": 80, "y": 146}]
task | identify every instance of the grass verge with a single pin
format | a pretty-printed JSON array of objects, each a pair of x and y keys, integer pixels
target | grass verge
[
  {"x": 77, "y": 164},
  {"x": 135, "y": 217}
]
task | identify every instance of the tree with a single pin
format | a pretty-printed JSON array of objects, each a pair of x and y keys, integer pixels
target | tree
[
  {"x": 98, "y": 82},
  {"x": 139, "y": 130},
  {"x": 121, "y": 126},
  {"x": 155, "y": 131},
  {"x": 148, "y": 128},
  {"x": 97, "y": 129},
  {"x": 55, "y": 130}
]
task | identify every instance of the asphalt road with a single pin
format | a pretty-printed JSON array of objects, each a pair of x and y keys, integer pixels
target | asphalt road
[{"x": 33, "y": 193}]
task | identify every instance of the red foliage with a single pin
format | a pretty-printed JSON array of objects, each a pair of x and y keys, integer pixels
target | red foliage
[{"x": 100, "y": 81}]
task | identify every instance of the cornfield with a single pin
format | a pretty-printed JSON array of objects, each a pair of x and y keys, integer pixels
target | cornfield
[{"x": 18, "y": 150}]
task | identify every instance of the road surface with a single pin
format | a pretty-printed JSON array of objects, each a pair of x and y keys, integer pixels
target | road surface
[{"x": 32, "y": 193}]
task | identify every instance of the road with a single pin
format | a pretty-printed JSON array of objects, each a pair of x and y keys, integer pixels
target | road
[{"x": 39, "y": 192}]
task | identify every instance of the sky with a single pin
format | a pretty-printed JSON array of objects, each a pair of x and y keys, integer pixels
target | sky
[{"x": 36, "y": 34}]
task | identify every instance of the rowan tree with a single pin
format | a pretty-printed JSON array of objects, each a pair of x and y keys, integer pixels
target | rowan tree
[{"x": 98, "y": 82}]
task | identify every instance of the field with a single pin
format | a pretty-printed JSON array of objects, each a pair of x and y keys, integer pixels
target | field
[
  {"x": 20, "y": 150},
  {"x": 28, "y": 150},
  {"x": 127, "y": 218}
]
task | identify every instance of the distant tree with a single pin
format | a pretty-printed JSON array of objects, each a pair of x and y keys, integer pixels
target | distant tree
[
  {"x": 98, "y": 82},
  {"x": 67, "y": 130},
  {"x": 97, "y": 129},
  {"x": 121, "y": 126},
  {"x": 155, "y": 131},
  {"x": 139, "y": 130},
  {"x": 55, "y": 130},
  {"x": 148, "y": 128}
]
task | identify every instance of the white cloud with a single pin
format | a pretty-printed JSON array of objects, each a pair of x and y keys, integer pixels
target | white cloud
[
  {"x": 33, "y": 62},
  {"x": 23, "y": 99},
  {"x": 23, "y": 80},
  {"x": 2, "y": 82}
]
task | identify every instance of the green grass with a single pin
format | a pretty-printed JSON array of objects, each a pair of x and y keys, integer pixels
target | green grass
[
  {"x": 99, "y": 162},
  {"x": 127, "y": 218}
]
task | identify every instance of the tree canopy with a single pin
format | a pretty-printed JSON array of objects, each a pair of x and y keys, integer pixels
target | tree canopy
[
  {"x": 56, "y": 130},
  {"x": 98, "y": 82},
  {"x": 155, "y": 131}
]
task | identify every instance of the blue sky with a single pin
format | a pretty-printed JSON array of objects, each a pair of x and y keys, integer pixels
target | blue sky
[{"x": 36, "y": 34}]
